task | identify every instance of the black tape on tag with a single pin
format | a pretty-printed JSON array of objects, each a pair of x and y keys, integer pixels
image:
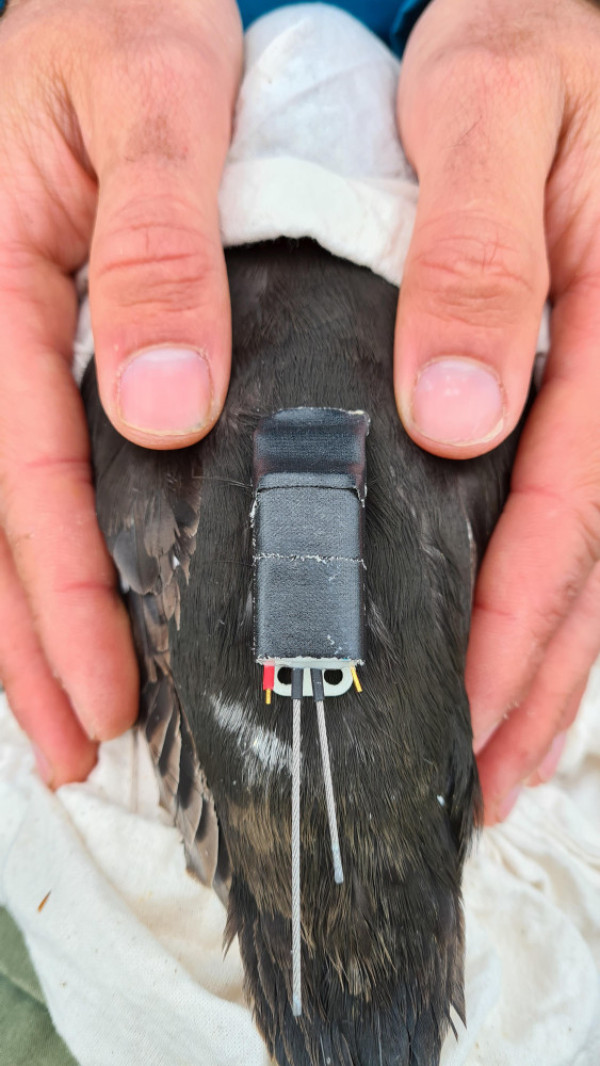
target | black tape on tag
[{"x": 310, "y": 484}]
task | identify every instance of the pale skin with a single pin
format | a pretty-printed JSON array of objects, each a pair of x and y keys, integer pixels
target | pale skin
[{"x": 114, "y": 126}]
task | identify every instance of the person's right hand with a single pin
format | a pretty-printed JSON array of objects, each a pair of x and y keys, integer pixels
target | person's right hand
[{"x": 114, "y": 127}]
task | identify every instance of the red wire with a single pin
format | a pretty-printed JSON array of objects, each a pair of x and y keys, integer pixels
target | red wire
[{"x": 268, "y": 676}]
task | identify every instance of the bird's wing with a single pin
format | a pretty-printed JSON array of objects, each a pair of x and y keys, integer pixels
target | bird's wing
[{"x": 148, "y": 505}]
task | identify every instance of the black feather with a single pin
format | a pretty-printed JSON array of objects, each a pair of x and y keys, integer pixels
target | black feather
[{"x": 382, "y": 954}]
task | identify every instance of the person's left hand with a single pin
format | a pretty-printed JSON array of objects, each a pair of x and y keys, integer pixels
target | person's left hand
[{"x": 499, "y": 113}]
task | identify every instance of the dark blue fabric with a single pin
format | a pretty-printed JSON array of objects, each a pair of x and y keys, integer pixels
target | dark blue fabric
[
  {"x": 2, "y": 6},
  {"x": 389, "y": 19},
  {"x": 408, "y": 13}
]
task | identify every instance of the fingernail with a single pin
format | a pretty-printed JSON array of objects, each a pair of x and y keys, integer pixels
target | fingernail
[
  {"x": 508, "y": 803},
  {"x": 166, "y": 390},
  {"x": 549, "y": 763},
  {"x": 458, "y": 401},
  {"x": 44, "y": 768}
]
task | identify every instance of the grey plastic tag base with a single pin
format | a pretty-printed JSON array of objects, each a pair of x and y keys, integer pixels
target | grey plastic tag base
[{"x": 326, "y": 665}]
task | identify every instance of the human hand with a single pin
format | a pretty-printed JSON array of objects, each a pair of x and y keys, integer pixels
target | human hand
[
  {"x": 499, "y": 112},
  {"x": 114, "y": 127}
]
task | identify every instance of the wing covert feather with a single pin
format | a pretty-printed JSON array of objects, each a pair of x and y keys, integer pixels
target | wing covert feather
[{"x": 148, "y": 512}]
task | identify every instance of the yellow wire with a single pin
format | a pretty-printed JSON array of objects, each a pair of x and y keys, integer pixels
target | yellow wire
[{"x": 357, "y": 684}]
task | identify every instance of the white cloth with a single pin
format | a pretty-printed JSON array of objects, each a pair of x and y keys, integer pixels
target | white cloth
[
  {"x": 127, "y": 945},
  {"x": 315, "y": 149}
]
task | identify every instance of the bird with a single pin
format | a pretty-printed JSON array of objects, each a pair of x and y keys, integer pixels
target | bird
[{"x": 381, "y": 954}]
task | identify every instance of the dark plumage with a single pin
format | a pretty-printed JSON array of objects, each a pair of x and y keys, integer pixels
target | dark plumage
[{"x": 382, "y": 954}]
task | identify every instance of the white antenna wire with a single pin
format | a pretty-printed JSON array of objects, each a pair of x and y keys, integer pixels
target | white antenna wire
[
  {"x": 296, "y": 918},
  {"x": 338, "y": 872}
]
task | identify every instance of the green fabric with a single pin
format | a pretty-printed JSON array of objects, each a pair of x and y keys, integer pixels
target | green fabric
[{"x": 27, "y": 1036}]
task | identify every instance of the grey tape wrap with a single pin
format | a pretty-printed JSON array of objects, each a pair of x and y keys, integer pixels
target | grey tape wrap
[{"x": 310, "y": 484}]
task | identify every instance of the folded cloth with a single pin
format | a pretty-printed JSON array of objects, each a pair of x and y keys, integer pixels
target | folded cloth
[
  {"x": 127, "y": 946},
  {"x": 315, "y": 151}
]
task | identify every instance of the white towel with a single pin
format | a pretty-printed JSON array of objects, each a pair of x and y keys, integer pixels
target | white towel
[{"x": 128, "y": 945}]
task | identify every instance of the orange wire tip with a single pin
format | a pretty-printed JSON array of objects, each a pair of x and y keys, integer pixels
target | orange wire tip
[
  {"x": 267, "y": 695},
  {"x": 357, "y": 684}
]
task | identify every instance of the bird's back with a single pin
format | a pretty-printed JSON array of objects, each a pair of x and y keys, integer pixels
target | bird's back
[{"x": 382, "y": 953}]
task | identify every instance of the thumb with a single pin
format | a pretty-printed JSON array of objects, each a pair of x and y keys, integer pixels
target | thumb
[
  {"x": 158, "y": 285},
  {"x": 476, "y": 275}
]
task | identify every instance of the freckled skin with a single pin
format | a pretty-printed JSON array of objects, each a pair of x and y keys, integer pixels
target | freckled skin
[{"x": 382, "y": 954}]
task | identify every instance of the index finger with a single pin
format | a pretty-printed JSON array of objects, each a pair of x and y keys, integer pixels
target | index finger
[
  {"x": 548, "y": 538},
  {"x": 47, "y": 500}
]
